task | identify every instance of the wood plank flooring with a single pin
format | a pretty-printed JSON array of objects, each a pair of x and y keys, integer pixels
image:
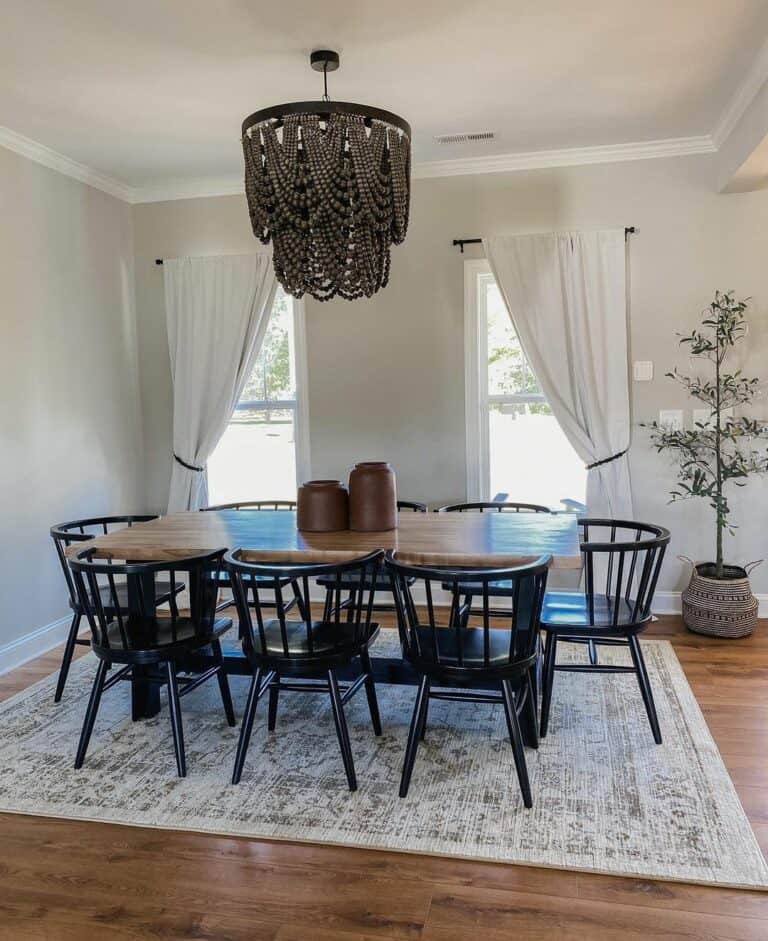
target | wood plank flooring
[{"x": 69, "y": 881}]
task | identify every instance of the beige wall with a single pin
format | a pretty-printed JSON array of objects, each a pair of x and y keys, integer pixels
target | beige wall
[
  {"x": 70, "y": 437},
  {"x": 386, "y": 375}
]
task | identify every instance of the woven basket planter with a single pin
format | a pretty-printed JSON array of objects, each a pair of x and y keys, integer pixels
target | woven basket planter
[{"x": 720, "y": 607}]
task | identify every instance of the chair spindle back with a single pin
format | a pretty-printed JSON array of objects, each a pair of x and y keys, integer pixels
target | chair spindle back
[
  {"x": 528, "y": 582},
  {"x": 251, "y": 579},
  {"x": 624, "y": 559}
]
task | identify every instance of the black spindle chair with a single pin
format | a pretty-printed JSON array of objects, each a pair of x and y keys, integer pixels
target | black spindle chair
[
  {"x": 294, "y": 655},
  {"x": 501, "y": 590},
  {"x": 622, "y": 561},
  {"x": 66, "y": 534},
  {"x": 452, "y": 655},
  {"x": 253, "y": 506},
  {"x": 142, "y": 638},
  {"x": 383, "y": 580}
]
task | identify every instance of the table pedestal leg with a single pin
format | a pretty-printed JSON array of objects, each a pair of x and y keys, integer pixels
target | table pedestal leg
[{"x": 145, "y": 695}]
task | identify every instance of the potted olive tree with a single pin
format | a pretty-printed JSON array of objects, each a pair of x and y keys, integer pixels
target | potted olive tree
[{"x": 714, "y": 454}]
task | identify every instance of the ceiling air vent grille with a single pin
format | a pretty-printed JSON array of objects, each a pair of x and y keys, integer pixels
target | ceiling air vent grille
[{"x": 464, "y": 138}]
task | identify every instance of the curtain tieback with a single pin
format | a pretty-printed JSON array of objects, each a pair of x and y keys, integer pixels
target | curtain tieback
[
  {"x": 607, "y": 460},
  {"x": 198, "y": 470}
]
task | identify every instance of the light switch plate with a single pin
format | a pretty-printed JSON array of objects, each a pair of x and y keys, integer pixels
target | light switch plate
[
  {"x": 671, "y": 419},
  {"x": 643, "y": 370}
]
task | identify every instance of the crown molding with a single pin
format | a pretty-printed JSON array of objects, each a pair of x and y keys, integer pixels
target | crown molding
[
  {"x": 567, "y": 157},
  {"x": 233, "y": 186},
  {"x": 742, "y": 98},
  {"x": 188, "y": 189},
  {"x": 496, "y": 163},
  {"x": 52, "y": 159}
]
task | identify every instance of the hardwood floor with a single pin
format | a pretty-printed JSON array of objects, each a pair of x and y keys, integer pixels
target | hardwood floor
[{"x": 69, "y": 881}]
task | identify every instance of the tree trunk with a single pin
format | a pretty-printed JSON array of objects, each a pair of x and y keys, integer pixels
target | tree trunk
[{"x": 719, "y": 521}]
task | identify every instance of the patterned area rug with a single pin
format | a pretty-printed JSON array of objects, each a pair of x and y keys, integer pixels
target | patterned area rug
[{"x": 606, "y": 799}]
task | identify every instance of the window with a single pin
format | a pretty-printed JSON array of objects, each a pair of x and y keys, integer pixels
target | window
[
  {"x": 515, "y": 446},
  {"x": 264, "y": 451}
]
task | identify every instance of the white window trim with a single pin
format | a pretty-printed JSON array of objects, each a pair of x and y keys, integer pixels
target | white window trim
[
  {"x": 477, "y": 272},
  {"x": 301, "y": 415}
]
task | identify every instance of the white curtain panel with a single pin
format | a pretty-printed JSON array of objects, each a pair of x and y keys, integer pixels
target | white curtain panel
[
  {"x": 566, "y": 295},
  {"x": 217, "y": 312}
]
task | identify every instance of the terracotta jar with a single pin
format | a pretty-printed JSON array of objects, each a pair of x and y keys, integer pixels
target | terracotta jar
[
  {"x": 372, "y": 497},
  {"x": 322, "y": 506}
]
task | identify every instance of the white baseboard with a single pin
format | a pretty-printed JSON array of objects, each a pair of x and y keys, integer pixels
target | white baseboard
[{"x": 37, "y": 642}]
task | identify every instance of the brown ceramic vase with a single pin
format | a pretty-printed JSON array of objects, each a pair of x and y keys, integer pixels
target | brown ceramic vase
[
  {"x": 372, "y": 497},
  {"x": 322, "y": 506}
]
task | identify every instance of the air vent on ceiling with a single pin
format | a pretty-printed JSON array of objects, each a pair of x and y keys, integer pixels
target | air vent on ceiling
[{"x": 464, "y": 138}]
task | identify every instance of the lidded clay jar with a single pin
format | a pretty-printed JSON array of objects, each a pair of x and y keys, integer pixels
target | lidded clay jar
[
  {"x": 322, "y": 506},
  {"x": 372, "y": 497}
]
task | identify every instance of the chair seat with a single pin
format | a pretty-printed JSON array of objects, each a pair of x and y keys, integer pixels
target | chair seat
[
  {"x": 472, "y": 648},
  {"x": 565, "y": 611},
  {"x": 350, "y": 580},
  {"x": 163, "y": 641},
  {"x": 224, "y": 580},
  {"x": 328, "y": 639},
  {"x": 501, "y": 589}
]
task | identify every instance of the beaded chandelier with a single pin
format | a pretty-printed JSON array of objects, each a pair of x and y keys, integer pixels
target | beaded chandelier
[{"x": 328, "y": 183}]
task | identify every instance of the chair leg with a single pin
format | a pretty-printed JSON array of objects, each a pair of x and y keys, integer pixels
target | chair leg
[
  {"x": 350, "y": 605},
  {"x": 90, "y": 713},
  {"x": 645, "y": 686},
  {"x": 174, "y": 704},
  {"x": 173, "y": 606},
  {"x": 274, "y": 693},
  {"x": 341, "y": 730},
  {"x": 418, "y": 723},
  {"x": 516, "y": 738},
  {"x": 530, "y": 712},
  {"x": 536, "y": 671},
  {"x": 306, "y": 614},
  {"x": 247, "y": 725},
  {"x": 550, "y": 655},
  {"x": 221, "y": 676},
  {"x": 592, "y": 648},
  {"x": 328, "y": 605},
  {"x": 66, "y": 660},
  {"x": 370, "y": 691}
]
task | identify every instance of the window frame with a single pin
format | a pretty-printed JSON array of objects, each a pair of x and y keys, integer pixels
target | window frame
[{"x": 477, "y": 400}]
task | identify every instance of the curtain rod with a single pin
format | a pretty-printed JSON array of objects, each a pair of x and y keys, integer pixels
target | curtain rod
[{"x": 628, "y": 230}]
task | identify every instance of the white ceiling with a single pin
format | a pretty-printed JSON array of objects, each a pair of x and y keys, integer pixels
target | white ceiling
[{"x": 153, "y": 93}]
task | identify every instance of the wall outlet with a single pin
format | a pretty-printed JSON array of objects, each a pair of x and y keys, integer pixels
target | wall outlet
[
  {"x": 643, "y": 370},
  {"x": 671, "y": 419}
]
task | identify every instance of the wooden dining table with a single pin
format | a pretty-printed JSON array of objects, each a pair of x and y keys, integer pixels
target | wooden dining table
[
  {"x": 488, "y": 539},
  {"x": 463, "y": 539}
]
